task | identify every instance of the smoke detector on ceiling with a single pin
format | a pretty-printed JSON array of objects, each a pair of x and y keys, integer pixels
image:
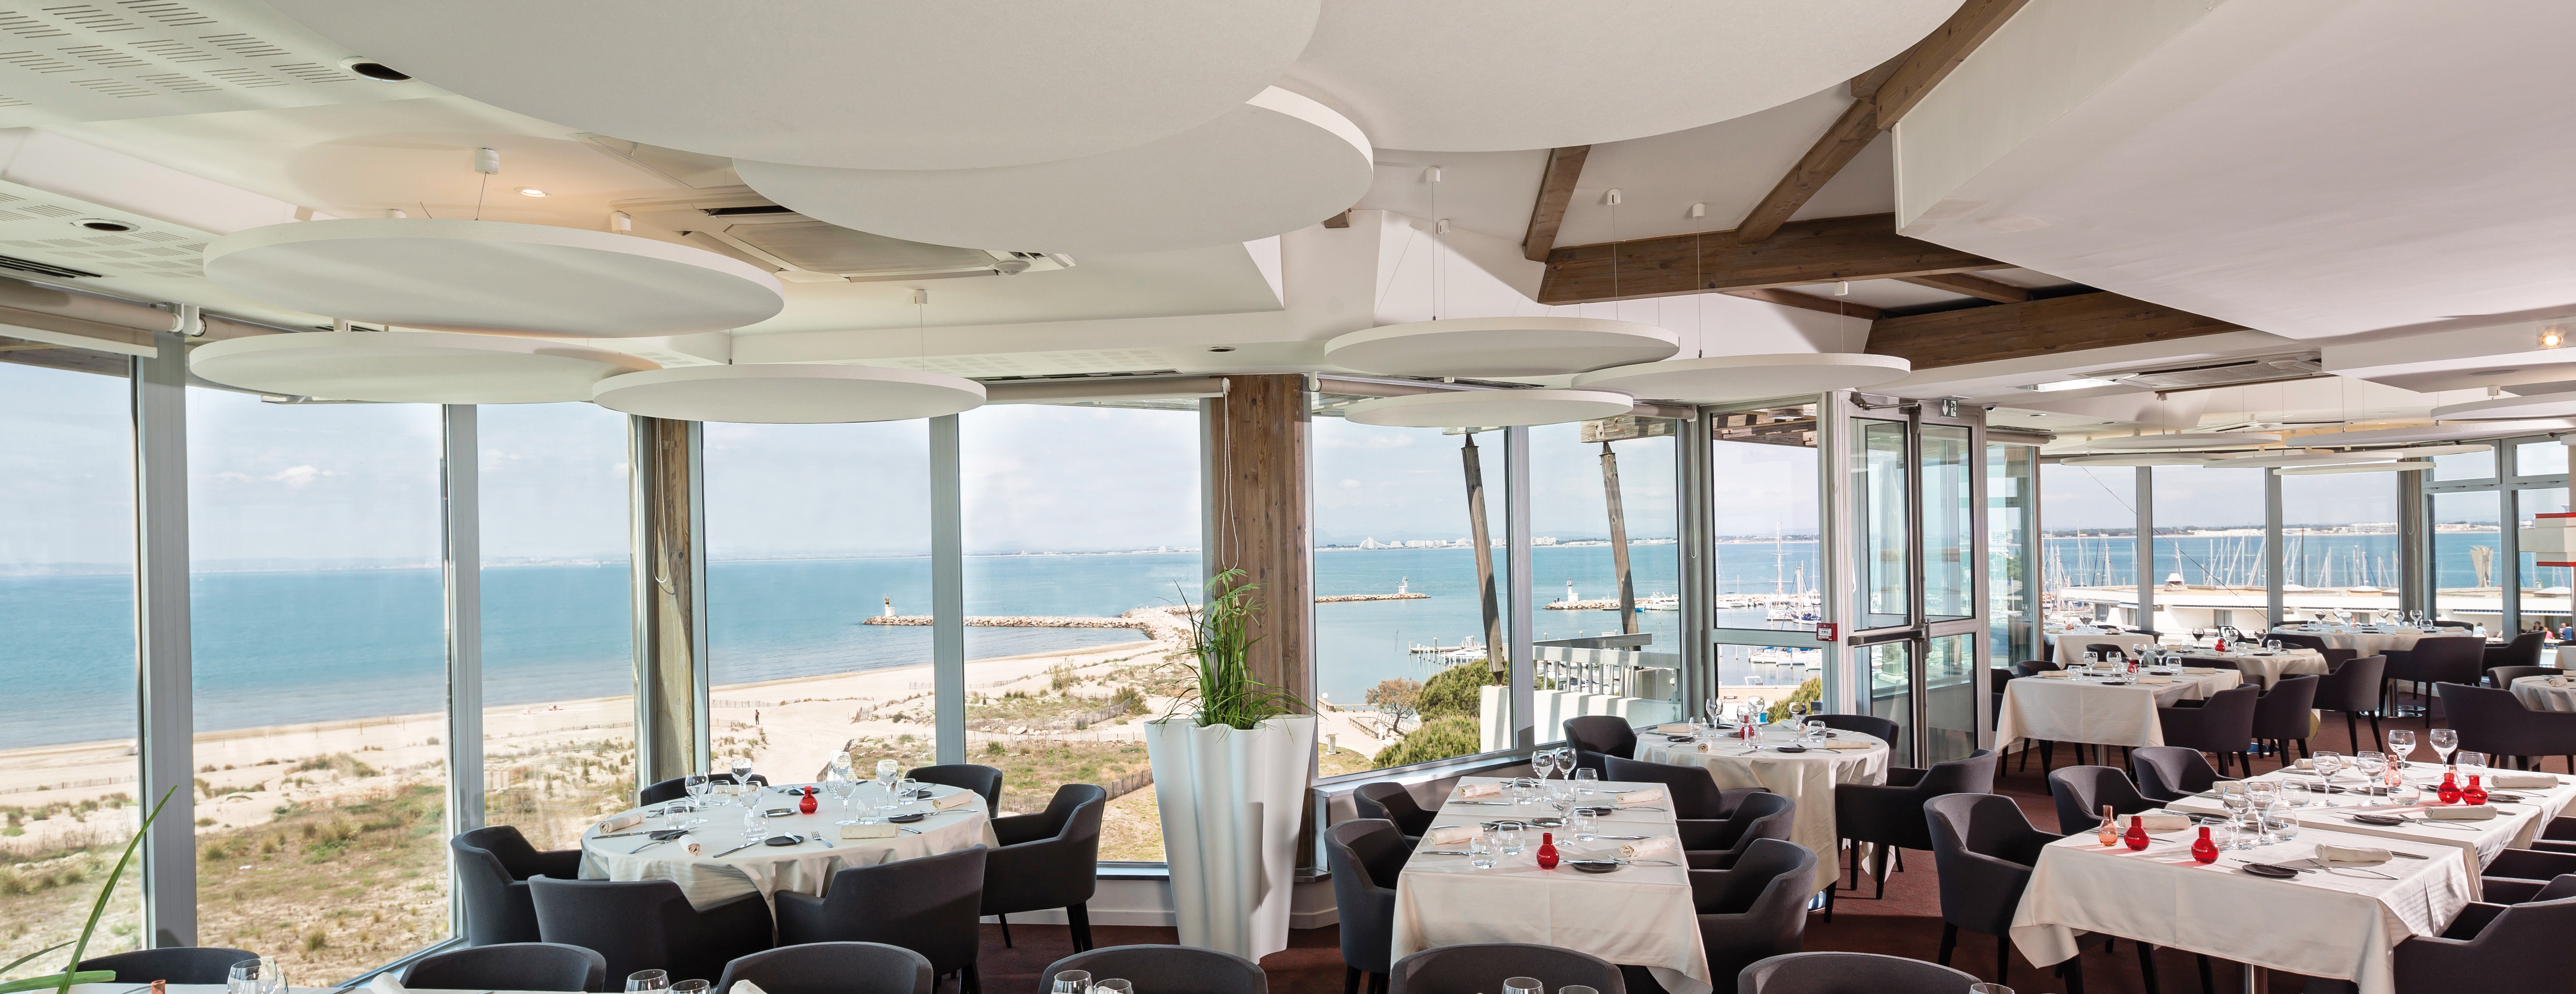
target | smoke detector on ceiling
[{"x": 800, "y": 249}]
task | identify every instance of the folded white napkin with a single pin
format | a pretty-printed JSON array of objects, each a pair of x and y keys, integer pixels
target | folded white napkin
[
  {"x": 1680, "y": 728},
  {"x": 1660, "y": 847},
  {"x": 2460, "y": 812},
  {"x": 2053, "y": 674},
  {"x": 2154, "y": 680},
  {"x": 1845, "y": 745},
  {"x": 746, "y": 987},
  {"x": 1480, "y": 790},
  {"x": 2329, "y": 855},
  {"x": 621, "y": 822},
  {"x": 2157, "y": 824},
  {"x": 1454, "y": 835},
  {"x": 2200, "y": 670},
  {"x": 867, "y": 831},
  {"x": 2524, "y": 781},
  {"x": 2307, "y": 764},
  {"x": 952, "y": 802},
  {"x": 384, "y": 983},
  {"x": 2220, "y": 786},
  {"x": 1643, "y": 795}
]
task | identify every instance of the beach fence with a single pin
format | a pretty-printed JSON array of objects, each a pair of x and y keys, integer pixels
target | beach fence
[{"x": 70, "y": 785}]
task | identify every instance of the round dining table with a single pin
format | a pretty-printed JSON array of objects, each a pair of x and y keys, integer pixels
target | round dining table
[
  {"x": 2266, "y": 666},
  {"x": 1807, "y": 778},
  {"x": 2546, "y": 693},
  {"x": 723, "y": 867},
  {"x": 2366, "y": 640}
]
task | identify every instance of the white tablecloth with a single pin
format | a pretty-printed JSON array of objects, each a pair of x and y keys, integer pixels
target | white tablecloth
[
  {"x": 2477, "y": 842},
  {"x": 2070, "y": 643},
  {"x": 2339, "y": 925},
  {"x": 2546, "y": 693},
  {"x": 2565, "y": 657},
  {"x": 2065, "y": 709},
  {"x": 122, "y": 988},
  {"x": 1638, "y": 915},
  {"x": 1806, "y": 778},
  {"x": 2267, "y": 668},
  {"x": 805, "y": 869},
  {"x": 2366, "y": 641}
]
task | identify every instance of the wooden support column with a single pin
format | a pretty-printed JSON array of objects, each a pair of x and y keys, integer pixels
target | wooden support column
[
  {"x": 1618, "y": 540},
  {"x": 1257, "y": 521},
  {"x": 670, "y": 599},
  {"x": 1472, "y": 459}
]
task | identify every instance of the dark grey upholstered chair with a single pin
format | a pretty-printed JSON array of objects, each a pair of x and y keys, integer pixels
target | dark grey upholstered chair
[
  {"x": 2524, "y": 650},
  {"x": 1891, "y": 814},
  {"x": 1997, "y": 681},
  {"x": 1048, "y": 860},
  {"x": 2168, "y": 773},
  {"x": 1983, "y": 849},
  {"x": 2034, "y": 667},
  {"x": 1756, "y": 910},
  {"x": 2496, "y": 723},
  {"x": 1479, "y": 968},
  {"x": 177, "y": 964},
  {"x": 493, "y": 865},
  {"x": 2354, "y": 689},
  {"x": 832, "y": 968},
  {"x": 2518, "y": 876},
  {"x": 1167, "y": 969},
  {"x": 1389, "y": 801},
  {"x": 927, "y": 904},
  {"x": 2297, "y": 641},
  {"x": 2439, "y": 659},
  {"x": 2449, "y": 623},
  {"x": 1718, "y": 845},
  {"x": 1609, "y": 735},
  {"x": 1694, "y": 795},
  {"x": 1866, "y": 724},
  {"x": 678, "y": 787},
  {"x": 530, "y": 966},
  {"x": 1364, "y": 856},
  {"x": 2521, "y": 947},
  {"x": 2556, "y": 888},
  {"x": 2081, "y": 791},
  {"x": 2047, "y": 750},
  {"x": 650, "y": 925},
  {"x": 2284, "y": 713},
  {"x": 2502, "y": 677},
  {"x": 2222, "y": 723},
  {"x": 976, "y": 777},
  {"x": 1848, "y": 973}
]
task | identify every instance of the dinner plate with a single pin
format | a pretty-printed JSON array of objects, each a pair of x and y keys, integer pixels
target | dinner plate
[
  {"x": 785, "y": 840},
  {"x": 1792, "y": 748},
  {"x": 2378, "y": 819},
  {"x": 779, "y": 813},
  {"x": 1594, "y": 865},
  {"x": 908, "y": 819},
  {"x": 2269, "y": 870}
]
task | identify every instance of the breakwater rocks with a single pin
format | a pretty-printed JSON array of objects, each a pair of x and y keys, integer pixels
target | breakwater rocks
[{"x": 1158, "y": 623}]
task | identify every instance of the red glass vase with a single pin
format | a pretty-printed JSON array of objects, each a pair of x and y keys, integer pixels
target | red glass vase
[
  {"x": 1547, "y": 850},
  {"x": 2137, "y": 837},
  {"x": 2473, "y": 794},
  {"x": 2203, "y": 849},
  {"x": 806, "y": 804},
  {"x": 2449, "y": 791}
]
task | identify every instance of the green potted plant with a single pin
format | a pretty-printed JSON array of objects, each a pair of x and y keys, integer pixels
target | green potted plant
[
  {"x": 1230, "y": 779},
  {"x": 71, "y": 973}
]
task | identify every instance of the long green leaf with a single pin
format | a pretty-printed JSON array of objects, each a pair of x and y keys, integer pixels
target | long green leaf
[
  {"x": 69, "y": 977},
  {"x": 22, "y": 960},
  {"x": 59, "y": 981}
]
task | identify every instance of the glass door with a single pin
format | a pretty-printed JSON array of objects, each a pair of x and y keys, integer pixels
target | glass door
[{"x": 1913, "y": 537}]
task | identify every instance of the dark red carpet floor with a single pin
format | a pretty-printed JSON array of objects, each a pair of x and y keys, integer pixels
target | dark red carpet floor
[{"x": 1907, "y": 922}]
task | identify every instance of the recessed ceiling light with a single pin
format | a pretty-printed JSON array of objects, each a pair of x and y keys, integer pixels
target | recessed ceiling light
[
  {"x": 373, "y": 69},
  {"x": 530, "y": 191},
  {"x": 2075, "y": 384}
]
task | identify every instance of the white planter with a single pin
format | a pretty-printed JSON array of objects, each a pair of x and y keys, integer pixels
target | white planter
[{"x": 1232, "y": 800}]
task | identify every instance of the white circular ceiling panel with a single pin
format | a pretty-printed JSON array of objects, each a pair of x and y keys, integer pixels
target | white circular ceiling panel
[
  {"x": 1499, "y": 75},
  {"x": 1749, "y": 377},
  {"x": 2134, "y": 459},
  {"x": 2438, "y": 433},
  {"x": 2368, "y": 467},
  {"x": 788, "y": 394},
  {"x": 1516, "y": 346},
  {"x": 492, "y": 277},
  {"x": 2540, "y": 405},
  {"x": 412, "y": 367},
  {"x": 2300, "y": 457},
  {"x": 1488, "y": 408},
  {"x": 1274, "y": 164},
  {"x": 2182, "y": 440},
  {"x": 861, "y": 85}
]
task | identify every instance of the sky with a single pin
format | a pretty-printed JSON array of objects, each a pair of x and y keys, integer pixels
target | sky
[{"x": 357, "y": 484}]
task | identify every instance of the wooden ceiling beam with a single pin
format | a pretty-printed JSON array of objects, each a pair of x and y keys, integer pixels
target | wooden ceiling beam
[
  {"x": 1880, "y": 98},
  {"x": 1555, "y": 191},
  {"x": 1824, "y": 250},
  {"x": 1808, "y": 301},
  {"x": 2034, "y": 328},
  {"x": 1974, "y": 286}
]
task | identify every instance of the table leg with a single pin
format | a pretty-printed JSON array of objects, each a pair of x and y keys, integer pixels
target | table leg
[{"x": 2253, "y": 982}]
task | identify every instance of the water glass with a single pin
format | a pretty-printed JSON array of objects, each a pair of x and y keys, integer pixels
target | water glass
[
  {"x": 742, "y": 781},
  {"x": 1113, "y": 985},
  {"x": 886, "y": 777},
  {"x": 648, "y": 980},
  {"x": 1576, "y": 989},
  {"x": 904, "y": 791},
  {"x": 692, "y": 987},
  {"x": 1587, "y": 781},
  {"x": 699, "y": 786},
  {"x": 1815, "y": 730},
  {"x": 1989, "y": 989},
  {"x": 253, "y": 976},
  {"x": 1522, "y": 985},
  {"x": 2472, "y": 764},
  {"x": 1511, "y": 836},
  {"x": 1072, "y": 982},
  {"x": 755, "y": 826},
  {"x": 1586, "y": 825},
  {"x": 1522, "y": 790},
  {"x": 1481, "y": 849},
  {"x": 2371, "y": 764},
  {"x": 2445, "y": 741}
]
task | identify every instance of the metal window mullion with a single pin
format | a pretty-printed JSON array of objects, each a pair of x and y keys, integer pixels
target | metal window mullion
[
  {"x": 1693, "y": 455},
  {"x": 2274, "y": 556},
  {"x": 166, "y": 740},
  {"x": 460, "y": 569},
  {"x": 1516, "y": 556},
  {"x": 1837, "y": 541},
  {"x": 2145, "y": 556},
  {"x": 948, "y": 589}
]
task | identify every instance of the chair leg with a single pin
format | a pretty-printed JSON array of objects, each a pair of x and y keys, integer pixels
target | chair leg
[
  {"x": 2374, "y": 732},
  {"x": 1079, "y": 915},
  {"x": 1829, "y": 903},
  {"x": 1006, "y": 929},
  {"x": 1350, "y": 980},
  {"x": 2350, "y": 734},
  {"x": 2207, "y": 986},
  {"x": 1377, "y": 983},
  {"x": 1884, "y": 852},
  {"x": 1949, "y": 942},
  {"x": 1900, "y": 860},
  {"x": 2003, "y": 961},
  {"x": 1852, "y": 876},
  {"x": 2073, "y": 971},
  {"x": 2147, "y": 967},
  {"x": 972, "y": 983},
  {"x": 2047, "y": 755}
]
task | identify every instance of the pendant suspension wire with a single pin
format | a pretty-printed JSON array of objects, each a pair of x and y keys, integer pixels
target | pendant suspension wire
[
  {"x": 1439, "y": 251},
  {"x": 479, "y": 188},
  {"x": 1613, "y": 197},
  {"x": 1699, "y": 307},
  {"x": 920, "y": 322}
]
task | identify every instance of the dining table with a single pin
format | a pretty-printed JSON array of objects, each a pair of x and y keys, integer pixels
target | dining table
[
  {"x": 2546, "y": 693},
  {"x": 729, "y": 863},
  {"x": 1807, "y": 776},
  {"x": 2366, "y": 640},
  {"x": 1640, "y": 914},
  {"x": 2340, "y": 922},
  {"x": 2263, "y": 666},
  {"x": 2060, "y": 707},
  {"x": 2514, "y": 826},
  {"x": 2069, "y": 644}
]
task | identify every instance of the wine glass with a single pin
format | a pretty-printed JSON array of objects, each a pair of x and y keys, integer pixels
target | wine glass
[
  {"x": 1711, "y": 709},
  {"x": 886, "y": 773},
  {"x": 648, "y": 980},
  {"x": 1543, "y": 763},
  {"x": 2401, "y": 744},
  {"x": 255, "y": 976},
  {"x": 839, "y": 783},
  {"x": 699, "y": 786},
  {"x": 1114, "y": 985},
  {"x": 742, "y": 789},
  {"x": 2232, "y": 796},
  {"x": 2371, "y": 764},
  {"x": 1072, "y": 982},
  {"x": 1797, "y": 713},
  {"x": 2261, "y": 796},
  {"x": 2473, "y": 764},
  {"x": 2327, "y": 762},
  {"x": 2445, "y": 742},
  {"x": 692, "y": 987}
]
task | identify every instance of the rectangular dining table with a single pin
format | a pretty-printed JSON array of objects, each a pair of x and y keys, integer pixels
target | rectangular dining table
[
  {"x": 2477, "y": 842},
  {"x": 2054, "y": 707},
  {"x": 2343, "y": 924},
  {"x": 1638, "y": 916}
]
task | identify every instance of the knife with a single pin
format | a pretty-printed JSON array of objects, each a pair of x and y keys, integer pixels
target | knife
[{"x": 736, "y": 849}]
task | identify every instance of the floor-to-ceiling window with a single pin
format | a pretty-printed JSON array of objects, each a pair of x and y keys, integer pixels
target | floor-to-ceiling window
[
  {"x": 1407, "y": 648},
  {"x": 67, "y": 726},
  {"x": 1603, "y": 521},
  {"x": 2012, "y": 581},
  {"x": 1082, "y": 533},
  {"x": 557, "y": 626},
  {"x": 2334, "y": 528},
  {"x": 818, "y": 596},
  {"x": 320, "y": 680},
  {"x": 2088, "y": 564},
  {"x": 2540, "y": 488},
  {"x": 2208, "y": 566},
  {"x": 2465, "y": 514},
  {"x": 1764, "y": 554}
]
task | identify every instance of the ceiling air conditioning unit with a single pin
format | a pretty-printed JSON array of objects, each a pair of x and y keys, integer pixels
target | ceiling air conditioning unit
[
  {"x": 2229, "y": 373},
  {"x": 745, "y": 225}
]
